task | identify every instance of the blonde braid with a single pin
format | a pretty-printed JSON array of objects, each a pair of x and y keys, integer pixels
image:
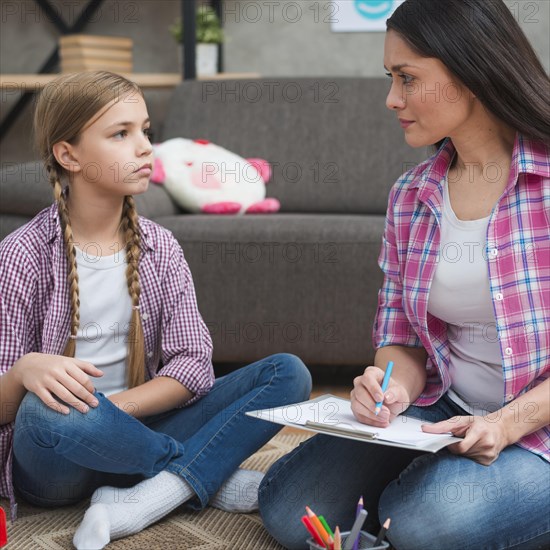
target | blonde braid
[
  {"x": 63, "y": 111},
  {"x": 70, "y": 252},
  {"x": 136, "y": 341}
]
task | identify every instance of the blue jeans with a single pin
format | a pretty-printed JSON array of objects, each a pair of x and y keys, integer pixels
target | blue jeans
[
  {"x": 61, "y": 459},
  {"x": 435, "y": 501}
]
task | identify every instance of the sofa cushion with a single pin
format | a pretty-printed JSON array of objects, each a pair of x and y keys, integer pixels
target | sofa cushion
[
  {"x": 305, "y": 284},
  {"x": 333, "y": 144},
  {"x": 9, "y": 223},
  {"x": 25, "y": 190},
  {"x": 156, "y": 202}
]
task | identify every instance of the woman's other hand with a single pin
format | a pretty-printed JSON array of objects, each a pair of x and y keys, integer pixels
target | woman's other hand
[{"x": 484, "y": 436}]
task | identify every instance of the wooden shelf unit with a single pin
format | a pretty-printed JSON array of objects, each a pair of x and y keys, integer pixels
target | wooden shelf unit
[{"x": 33, "y": 82}]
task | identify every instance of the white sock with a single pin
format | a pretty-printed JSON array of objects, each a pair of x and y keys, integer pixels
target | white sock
[
  {"x": 239, "y": 493},
  {"x": 117, "y": 513},
  {"x": 114, "y": 495}
]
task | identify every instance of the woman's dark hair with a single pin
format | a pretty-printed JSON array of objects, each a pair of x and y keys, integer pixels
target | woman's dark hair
[{"x": 481, "y": 43}]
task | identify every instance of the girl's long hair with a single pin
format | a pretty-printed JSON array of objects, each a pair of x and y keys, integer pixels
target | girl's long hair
[
  {"x": 64, "y": 108},
  {"x": 481, "y": 43}
]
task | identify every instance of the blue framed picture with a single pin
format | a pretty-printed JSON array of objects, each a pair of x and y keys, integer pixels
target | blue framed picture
[{"x": 362, "y": 15}]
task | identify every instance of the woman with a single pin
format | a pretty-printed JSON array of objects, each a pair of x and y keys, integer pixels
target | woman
[
  {"x": 106, "y": 377},
  {"x": 463, "y": 311}
]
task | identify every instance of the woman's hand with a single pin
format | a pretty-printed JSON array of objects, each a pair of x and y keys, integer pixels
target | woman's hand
[
  {"x": 56, "y": 375},
  {"x": 484, "y": 436},
  {"x": 367, "y": 391}
]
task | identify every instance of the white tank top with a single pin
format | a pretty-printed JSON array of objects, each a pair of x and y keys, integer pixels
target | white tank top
[
  {"x": 105, "y": 313},
  {"x": 460, "y": 296}
]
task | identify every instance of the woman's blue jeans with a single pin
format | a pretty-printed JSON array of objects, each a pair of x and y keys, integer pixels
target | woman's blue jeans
[
  {"x": 435, "y": 501},
  {"x": 61, "y": 459}
]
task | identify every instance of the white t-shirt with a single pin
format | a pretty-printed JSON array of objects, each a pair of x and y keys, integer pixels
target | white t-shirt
[
  {"x": 460, "y": 296},
  {"x": 105, "y": 313}
]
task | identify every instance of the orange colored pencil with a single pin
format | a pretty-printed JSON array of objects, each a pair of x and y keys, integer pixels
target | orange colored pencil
[
  {"x": 337, "y": 539},
  {"x": 312, "y": 531},
  {"x": 318, "y": 526}
]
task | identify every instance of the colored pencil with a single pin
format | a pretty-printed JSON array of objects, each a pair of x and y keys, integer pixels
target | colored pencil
[
  {"x": 382, "y": 532},
  {"x": 337, "y": 539},
  {"x": 385, "y": 383},
  {"x": 355, "y": 530},
  {"x": 318, "y": 525},
  {"x": 326, "y": 526},
  {"x": 312, "y": 531},
  {"x": 359, "y": 508}
]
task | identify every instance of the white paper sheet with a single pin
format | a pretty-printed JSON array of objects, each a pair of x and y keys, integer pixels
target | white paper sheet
[{"x": 329, "y": 412}]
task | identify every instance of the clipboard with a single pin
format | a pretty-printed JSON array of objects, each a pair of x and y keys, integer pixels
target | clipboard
[{"x": 332, "y": 415}]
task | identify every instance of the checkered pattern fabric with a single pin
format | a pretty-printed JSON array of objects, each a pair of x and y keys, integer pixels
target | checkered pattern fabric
[{"x": 518, "y": 261}]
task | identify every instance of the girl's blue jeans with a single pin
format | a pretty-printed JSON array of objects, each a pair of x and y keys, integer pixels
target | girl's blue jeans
[
  {"x": 61, "y": 459},
  {"x": 436, "y": 501}
]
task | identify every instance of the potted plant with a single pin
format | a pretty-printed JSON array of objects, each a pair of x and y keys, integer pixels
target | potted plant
[{"x": 209, "y": 35}]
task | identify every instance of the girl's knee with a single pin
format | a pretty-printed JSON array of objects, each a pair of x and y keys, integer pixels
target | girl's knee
[
  {"x": 295, "y": 373},
  {"x": 34, "y": 414}
]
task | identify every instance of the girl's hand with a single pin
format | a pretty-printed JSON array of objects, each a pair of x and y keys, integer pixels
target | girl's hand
[
  {"x": 56, "y": 375},
  {"x": 367, "y": 392},
  {"x": 484, "y": 437}
]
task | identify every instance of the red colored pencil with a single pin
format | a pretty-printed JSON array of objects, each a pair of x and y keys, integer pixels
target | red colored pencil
[
  {"x": 3, "y": 528},
  {"x": 312, "y": 531},
  {"x": 318, "y": 527}
]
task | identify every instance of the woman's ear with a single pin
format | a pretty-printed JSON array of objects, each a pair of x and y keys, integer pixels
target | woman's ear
[{"x": 65, "y": 155}]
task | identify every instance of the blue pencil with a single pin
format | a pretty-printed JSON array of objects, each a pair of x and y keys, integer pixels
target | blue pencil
[{"x": 385, "y": 383}]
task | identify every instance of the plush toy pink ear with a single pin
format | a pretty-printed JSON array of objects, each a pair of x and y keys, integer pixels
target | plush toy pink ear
[
  {"x": 267, "y": 206},
  {"x": 158, "y": 175},
  {"x": 263, "y": 168}
]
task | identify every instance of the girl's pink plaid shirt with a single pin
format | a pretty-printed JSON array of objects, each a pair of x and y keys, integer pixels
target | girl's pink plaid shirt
[
  {"x": 35, "y": 311},
  {"x": 518, "y": 261}
]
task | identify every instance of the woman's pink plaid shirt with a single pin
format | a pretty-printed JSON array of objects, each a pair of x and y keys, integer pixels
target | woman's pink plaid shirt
[
  {"x": 518, "y": 260},
  {"x": 35, "y": 311}
]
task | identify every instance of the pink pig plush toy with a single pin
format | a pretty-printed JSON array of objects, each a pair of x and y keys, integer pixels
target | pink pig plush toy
[{"x": 202, "y": 177}]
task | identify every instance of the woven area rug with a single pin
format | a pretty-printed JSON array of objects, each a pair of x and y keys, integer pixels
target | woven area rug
[{"x": 210, "y": 529}]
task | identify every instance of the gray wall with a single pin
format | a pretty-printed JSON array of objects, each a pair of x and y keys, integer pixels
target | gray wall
[
  {"x": 276, "y": 46},
  {"x": 261, "y": 37},
  {"x": 27, "y": 38}
]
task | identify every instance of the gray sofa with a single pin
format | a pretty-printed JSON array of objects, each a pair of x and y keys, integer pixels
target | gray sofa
[{"x": 304, "y": 280}]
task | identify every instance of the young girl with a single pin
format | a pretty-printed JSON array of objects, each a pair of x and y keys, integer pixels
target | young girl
[
  {"x": 105, "y": 360},
  {"x": 463, "y": 311}
]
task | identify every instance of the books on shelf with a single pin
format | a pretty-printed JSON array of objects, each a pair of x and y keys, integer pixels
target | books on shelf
[
  {"x": 332, "y": 415},
  {"x": 97, "y": 65},
  {"x": 93, "y": 41},
  {"x": 81, "y": 52},
  {"x": 97, "y": 53}
]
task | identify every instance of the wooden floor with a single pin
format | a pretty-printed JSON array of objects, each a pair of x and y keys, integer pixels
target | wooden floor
[{"x": 340, "y": 391}]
